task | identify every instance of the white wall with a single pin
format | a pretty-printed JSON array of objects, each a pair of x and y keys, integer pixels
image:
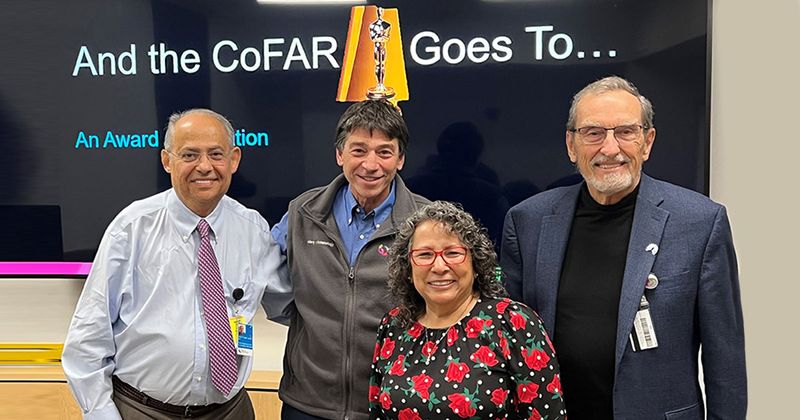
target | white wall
[{"x": 755, "y": 137}]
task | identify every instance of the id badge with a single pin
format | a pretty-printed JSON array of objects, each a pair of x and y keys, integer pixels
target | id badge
[
  {"x": 242, "y": 333},
  {"x": 643, "y": 336}
]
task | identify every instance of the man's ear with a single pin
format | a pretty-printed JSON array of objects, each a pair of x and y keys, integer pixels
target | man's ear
[
  {"x": 339, "y": 157},
  {"x": 236, "y": 157},
  {"x": 165, "y": 160},
  {"x": 569, "y": 138},
  {"x": 649, "y": 139}
]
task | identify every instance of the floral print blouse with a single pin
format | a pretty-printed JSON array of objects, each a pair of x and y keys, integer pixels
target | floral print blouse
[{"x": 496, "y": 363}]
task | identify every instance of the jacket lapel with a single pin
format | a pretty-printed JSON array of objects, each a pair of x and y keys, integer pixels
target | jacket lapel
[
  {"x": 319, "y": 208},
  {"x": 550, "y": 254},
  {"x": 648, "y": 226}
]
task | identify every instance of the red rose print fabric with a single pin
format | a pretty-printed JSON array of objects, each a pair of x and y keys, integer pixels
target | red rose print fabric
[
  {"x": 484, "y": 357},
  {"x": 497, "y": 362},
  {"x": 536, "y": 358},
  {"x": 499, "y": 396},
  {"x": 456, "y": 371},
  {"x": 429, "y": 349},
  {"x": 462, "y": 405},
  {"x": 387, "y": 349},
  {"x": 408, "y": 414}
]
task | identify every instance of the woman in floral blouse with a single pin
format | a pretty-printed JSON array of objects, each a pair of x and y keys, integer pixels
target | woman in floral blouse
[{"x": 455, "y": 347}]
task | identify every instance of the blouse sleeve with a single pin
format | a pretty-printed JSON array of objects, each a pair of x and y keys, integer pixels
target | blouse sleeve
[
  {"x": 383, "y": 346},
  {"x": 532, "y": 364}
]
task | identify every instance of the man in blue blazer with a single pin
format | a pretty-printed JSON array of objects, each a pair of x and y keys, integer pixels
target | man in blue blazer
[{"x": 631, "y": 275}]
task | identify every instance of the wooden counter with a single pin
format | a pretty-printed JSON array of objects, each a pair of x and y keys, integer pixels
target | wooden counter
[{"x": 42, "y": 393}]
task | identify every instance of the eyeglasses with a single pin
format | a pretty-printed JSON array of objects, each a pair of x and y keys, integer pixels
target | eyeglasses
[
  {"x": 190, "y": 156},
  {"x": 424, "y": 257},
  {"x": 595, "y": 135}
]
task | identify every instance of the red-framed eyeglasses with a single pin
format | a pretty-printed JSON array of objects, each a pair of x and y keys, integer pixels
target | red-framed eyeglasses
[{"x": 452, "y": 255}]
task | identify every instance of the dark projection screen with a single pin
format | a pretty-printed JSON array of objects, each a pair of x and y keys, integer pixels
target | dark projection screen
[{"x": 490, "y": 84}]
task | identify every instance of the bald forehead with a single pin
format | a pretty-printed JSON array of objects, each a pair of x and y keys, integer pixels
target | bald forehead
[
  {"x": 198, "y": 120},
  {"x": 200, "y": 127}
]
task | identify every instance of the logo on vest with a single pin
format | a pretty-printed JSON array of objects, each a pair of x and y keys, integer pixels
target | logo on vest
[{"x": 326, "y": 243}]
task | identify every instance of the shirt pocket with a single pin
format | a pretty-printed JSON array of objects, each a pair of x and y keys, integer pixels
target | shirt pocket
[
  {"x": 674, "y": 283},
  {"x": 240, "y": 284}
]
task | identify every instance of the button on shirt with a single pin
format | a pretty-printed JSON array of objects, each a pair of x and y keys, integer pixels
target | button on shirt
[
  {"x": 356, "y": 226},
  {"x": 140, "y": 314}
]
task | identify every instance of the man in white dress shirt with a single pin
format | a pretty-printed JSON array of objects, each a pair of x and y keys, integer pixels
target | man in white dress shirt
[{"x": 143, "y": 342}]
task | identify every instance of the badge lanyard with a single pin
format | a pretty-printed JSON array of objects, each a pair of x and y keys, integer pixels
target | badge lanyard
[{"x": 242, "y": 331}]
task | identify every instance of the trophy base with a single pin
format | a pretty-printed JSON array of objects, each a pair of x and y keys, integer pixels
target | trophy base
[{"x": 380, "y": 92}]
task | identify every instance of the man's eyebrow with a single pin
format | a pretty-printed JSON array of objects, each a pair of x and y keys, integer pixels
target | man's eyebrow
[{"x": 197, "y": 149}]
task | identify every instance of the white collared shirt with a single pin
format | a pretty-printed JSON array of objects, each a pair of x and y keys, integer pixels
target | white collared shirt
[{"x": 140, "y": 314}]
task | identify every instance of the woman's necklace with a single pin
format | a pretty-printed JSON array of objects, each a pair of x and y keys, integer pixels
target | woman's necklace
[
  {"x": 432, "y": 350},
  {"x": 428, "y": 336}
]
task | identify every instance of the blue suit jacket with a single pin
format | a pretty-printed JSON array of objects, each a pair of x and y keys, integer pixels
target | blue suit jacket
[{"x": 697, "y": 302}]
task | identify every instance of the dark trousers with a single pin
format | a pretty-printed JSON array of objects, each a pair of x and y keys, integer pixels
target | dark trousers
[
  {"x": 237, "y": 408},
  {"x": 290, "y": 413}
]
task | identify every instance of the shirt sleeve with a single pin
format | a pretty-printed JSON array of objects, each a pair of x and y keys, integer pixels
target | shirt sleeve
[
  {"x": 280, "y": 232},
  {"x": 383, "y": 347},
  {"x": 278, "y": 295},
  {"x": 533, "y": 366},
  {"x": 89, "y": 350}
]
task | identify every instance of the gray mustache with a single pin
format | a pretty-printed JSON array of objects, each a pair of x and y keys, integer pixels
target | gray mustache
[{"x": 619, "y": 158}]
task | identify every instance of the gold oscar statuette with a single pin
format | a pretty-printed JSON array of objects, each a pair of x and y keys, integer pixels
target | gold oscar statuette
[{"x": 379, "y": 34}]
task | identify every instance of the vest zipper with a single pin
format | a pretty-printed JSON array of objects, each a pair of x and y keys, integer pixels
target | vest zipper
[{"x": 351, "y": 275}]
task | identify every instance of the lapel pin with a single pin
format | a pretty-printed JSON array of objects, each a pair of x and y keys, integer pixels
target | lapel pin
[
  {"x": 383, "y": 251},
  {"x": 652, "y": 248},
  {"x": 652, "y": 282}
]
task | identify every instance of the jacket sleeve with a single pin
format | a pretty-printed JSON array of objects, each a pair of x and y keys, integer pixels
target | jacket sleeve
[
  {"x": 510, "y": 258},
  {"x": 721, "y": 325}
]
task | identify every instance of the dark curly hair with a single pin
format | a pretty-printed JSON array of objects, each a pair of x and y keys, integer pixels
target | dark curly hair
[{"x": 458, "y": 222}]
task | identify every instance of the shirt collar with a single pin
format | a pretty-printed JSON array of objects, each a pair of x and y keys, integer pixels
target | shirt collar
[
  {"x": 186, "y": 220},
  {"x": 380, "y": 212}
]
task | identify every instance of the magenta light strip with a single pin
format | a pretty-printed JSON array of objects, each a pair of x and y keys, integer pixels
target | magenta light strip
[{"x": 44, "y": 268}]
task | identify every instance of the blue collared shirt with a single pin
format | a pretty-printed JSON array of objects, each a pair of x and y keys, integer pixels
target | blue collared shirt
[
  {"x": 140, "y": 316},
  {"x": 355, "y": 225}
]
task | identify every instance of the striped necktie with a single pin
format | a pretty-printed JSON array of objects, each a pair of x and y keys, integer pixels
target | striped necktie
[{"x": 221, "y": 351}]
